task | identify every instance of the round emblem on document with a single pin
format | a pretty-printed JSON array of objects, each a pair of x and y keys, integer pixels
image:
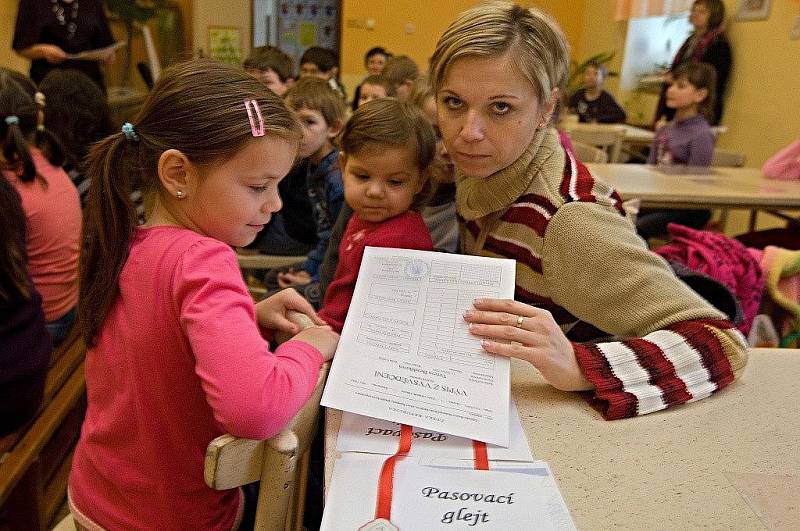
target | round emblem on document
[{"x": 417, "y": 269}]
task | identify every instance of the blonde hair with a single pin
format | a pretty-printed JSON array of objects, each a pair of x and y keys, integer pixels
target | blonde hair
[
  {"x": 537, "y": 43},
  {"x": 391, "y": 122}
]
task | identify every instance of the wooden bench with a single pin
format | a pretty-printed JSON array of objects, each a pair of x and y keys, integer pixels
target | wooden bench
[{"x": 35, "y": 460}]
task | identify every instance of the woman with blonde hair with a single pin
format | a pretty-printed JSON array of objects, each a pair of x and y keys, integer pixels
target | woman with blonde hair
[{"x": 595, "y": 310}]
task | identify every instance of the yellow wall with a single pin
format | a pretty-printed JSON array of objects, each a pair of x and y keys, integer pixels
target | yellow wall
[
  {"x": 220, "y": 13},
  {"x": 429, "y": 20},
  {"x": 7, "y": 56}
]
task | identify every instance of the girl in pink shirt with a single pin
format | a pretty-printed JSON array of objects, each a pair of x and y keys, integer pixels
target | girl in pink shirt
[
  {"x": 50, "y": 201},
  {"x": 176, "y": 354}
]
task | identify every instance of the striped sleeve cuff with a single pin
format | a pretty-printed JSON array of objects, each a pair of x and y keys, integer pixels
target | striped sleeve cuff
[{"x": 683, "y": 362}]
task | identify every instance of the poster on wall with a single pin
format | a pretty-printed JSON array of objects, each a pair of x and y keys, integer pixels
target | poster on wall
[
  {"x": 225, "y": 44},
  {"x": 306, "y": 23}
]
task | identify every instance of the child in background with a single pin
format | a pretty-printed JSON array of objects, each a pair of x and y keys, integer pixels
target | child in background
[
  {"x": 272, "y": 66},
  {"x": 324, "y": 64},
  {"x": 321, "y": 113},
  {"x": 592, "y": 103},
  {"x": 387, "y": 146},
  {"x": 50, "y": 202},
  {"x": 374, "y": 61},
  {"x": 372, "y": 88},
  {"x": 25, "y": 345},
  {"x": 440, "y": 212},
  {"x": 77, "y": 113},
  {"x": 402, "y": 72},
  {"x": 176, "y": 355},
  {"x": 688, "y": 138}
]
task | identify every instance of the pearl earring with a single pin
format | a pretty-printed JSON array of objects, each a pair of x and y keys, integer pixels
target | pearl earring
[{"x": 179, "y": 194}]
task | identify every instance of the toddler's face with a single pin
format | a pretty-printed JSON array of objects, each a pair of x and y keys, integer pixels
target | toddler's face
[
  {"x": 488, "y": 113},
  {"x": 380, "y": 182},
  {"x": 316, "y": 132}
]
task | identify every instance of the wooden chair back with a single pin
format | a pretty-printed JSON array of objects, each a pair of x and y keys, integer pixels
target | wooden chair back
[
  {"x": 608, "y": 138},
  {"x": 276, "y": 462},
  {"x": 587, "y": 153}
]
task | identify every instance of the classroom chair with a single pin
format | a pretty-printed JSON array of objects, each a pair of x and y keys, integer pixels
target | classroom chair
[
  {"x": 279, "y": 463},
  {"x": 608, "y": 138},
  {"x": 587, "y": 153}
]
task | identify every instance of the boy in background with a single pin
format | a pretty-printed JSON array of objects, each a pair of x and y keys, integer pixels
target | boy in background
[{"x": 272, "y": 66}]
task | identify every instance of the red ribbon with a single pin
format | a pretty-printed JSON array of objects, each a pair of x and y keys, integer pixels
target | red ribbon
[{"x": 383, "y": 507}]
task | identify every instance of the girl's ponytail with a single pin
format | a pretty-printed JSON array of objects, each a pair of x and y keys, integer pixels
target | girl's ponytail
[
  {"x": 15, "y": 149},
  {"x": 109, "y": 222}
]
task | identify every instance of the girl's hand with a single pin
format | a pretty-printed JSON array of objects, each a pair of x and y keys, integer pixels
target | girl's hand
[
  {"x": 273, "y": 311},
  {"x": 535, "y": 338},
  {"x": 322, "y": 337},
  {"x": 51, "y": 53},
  {"x": 293, "y": 278}
]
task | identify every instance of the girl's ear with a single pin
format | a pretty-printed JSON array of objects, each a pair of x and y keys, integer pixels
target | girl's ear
[
  {"x": 700, "y": 95},
  {"x": 177, "y": 174},
  {"x": 550, "y": 106},
  {"x": 342, "y": 160}
]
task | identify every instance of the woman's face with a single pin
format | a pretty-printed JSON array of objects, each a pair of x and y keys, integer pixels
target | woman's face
[
  {"x": 488, "y": 113},
  {"x": 699, "y": 16}
]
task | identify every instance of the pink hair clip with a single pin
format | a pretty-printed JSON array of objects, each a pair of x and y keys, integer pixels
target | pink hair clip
[{"x": 257, "y": 131}]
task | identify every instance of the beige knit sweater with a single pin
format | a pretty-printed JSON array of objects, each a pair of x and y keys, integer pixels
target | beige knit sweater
[{"x": 642, "y": 337}]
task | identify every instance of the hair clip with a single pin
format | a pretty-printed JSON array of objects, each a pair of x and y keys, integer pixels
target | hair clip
[
  {"x": 259, "y": 131},
  {"x": 12, "y": 119},
  {"x": 129, "y": 132}
]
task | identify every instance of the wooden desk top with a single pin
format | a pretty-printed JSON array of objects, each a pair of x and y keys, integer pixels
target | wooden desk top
[
  {"x": 633, "y": 134},
  {"x": 712, "y": 187},
  {"x": 727, "y": 462}
]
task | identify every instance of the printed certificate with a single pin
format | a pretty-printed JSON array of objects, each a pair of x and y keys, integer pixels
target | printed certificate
[
  {"x": 441, "y": 494},
  {"x": 406, "y": 354}
]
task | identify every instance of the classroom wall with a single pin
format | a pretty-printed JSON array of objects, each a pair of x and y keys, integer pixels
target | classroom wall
[
  {"x": 412, "y": 27},
  {"x": 220, "y": 13},
  {"x": 7, "y": 56}
]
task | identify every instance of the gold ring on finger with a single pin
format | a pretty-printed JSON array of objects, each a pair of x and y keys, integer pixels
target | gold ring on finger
[{"x": 520, "y": 320}]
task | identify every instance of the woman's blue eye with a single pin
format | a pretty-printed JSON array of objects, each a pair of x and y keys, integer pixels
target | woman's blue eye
[
  {"x": 452, "y": 102},
  {"x": 501, "y": 107}
]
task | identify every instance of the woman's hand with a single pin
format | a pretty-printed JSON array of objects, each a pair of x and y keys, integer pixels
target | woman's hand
[
  {"x": 273, "y": 311},
  {"x": 50, "y": 53},
  {"x": 514, "y": 329},
  {"x": 293, "y": 277}
]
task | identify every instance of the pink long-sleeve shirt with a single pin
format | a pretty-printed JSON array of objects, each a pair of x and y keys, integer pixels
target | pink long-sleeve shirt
[{"x": 178, "y": 361}]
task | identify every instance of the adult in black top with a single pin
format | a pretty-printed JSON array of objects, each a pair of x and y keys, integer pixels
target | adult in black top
[
  {"x": 593, "y": 104},
  {"x": 47, "y": 30},
  {"x": 706, "y": 44}
]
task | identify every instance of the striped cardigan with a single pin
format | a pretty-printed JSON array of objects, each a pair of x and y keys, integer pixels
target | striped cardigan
[{"x": 641, "y": 337}]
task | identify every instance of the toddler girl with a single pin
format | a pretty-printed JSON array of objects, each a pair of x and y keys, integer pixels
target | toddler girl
[
  {"x": 176, "y": 357},
  {"x": 688, "y": 138},
  {"x": 387, "y": 146}
]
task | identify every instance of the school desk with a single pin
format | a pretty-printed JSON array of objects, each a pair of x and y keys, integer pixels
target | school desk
[
  {"x": 729, "y": 461},
  {"x": 686, "y": 187},
  {"x": 634, "y": 136}
]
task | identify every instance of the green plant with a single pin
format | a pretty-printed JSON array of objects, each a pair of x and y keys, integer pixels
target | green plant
[{"x": 576, "y": 69}]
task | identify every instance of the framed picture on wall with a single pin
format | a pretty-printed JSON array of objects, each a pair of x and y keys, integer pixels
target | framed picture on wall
[
  {"x": 753, "y": 10},
  {"x": 225, "y": 44}
]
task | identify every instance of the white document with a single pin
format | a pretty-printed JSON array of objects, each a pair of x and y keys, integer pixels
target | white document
[
  {"x": 511, "y": 496},
  {"x": 98, "y": 54},
  {"x": 358, "y": 433},
  {"x": 406, "y": 354}
]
